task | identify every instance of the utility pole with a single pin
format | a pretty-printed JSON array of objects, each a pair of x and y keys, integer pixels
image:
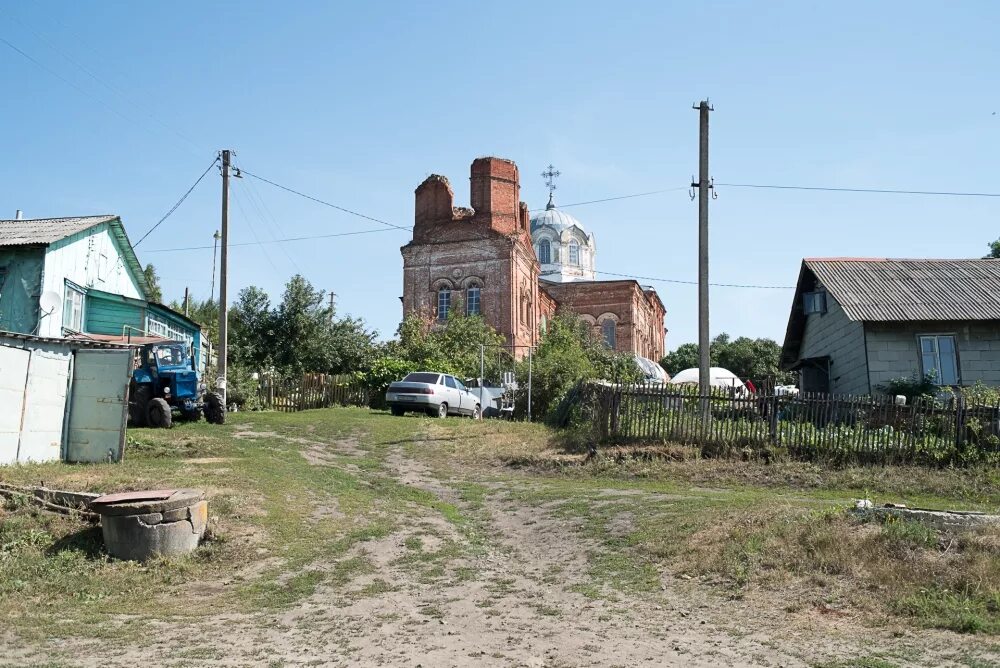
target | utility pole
[
  {"x": 215, "y": 250},
  {"x": 187, "y": 298},
  {"x": 223, "y": 280},
  {"x": 704, "y": 184},
  {"x": 332, "y": 295}
]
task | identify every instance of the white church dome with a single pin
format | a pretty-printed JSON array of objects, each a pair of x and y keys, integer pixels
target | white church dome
[{"x": 565, "y": 250}]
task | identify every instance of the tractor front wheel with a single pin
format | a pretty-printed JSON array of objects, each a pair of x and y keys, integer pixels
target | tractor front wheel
[
  {"x": 158, "y": 414},
  {"x": 215, "y": 411},
  {"x": 138, "y": 402}
]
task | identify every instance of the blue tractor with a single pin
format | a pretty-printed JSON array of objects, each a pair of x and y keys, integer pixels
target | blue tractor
[{"x": 166, "y": 381}]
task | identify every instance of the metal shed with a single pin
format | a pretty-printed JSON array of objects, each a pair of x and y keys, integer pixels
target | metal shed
[{"x": 62, "y": 399}]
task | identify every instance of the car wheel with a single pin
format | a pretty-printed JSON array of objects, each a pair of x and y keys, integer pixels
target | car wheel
[
  {"x": 396, "y": 410},
  {"x": 443, "y": 410},
  {"x": 477, "y": 412},
  {"x": 158, "y": 414}
]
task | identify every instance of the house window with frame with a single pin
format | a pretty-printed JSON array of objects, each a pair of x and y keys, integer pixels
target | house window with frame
[
  {"x": 444, "y": 303},
  {"x": 939, "y": 356},
  {"x": 544, "y": 252},
  {"x": 574, "y": 252},
  {"x": 472, "y": 301},
  {"x": 609, "y": 331},
  {"x": 73, "y": 308},
  {"x": 814, "y": 302}
]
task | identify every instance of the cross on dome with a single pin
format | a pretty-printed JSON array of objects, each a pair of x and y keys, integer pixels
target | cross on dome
[{"x": 550, "y": 176}]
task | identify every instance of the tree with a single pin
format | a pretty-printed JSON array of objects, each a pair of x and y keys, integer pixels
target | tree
[
  {"x": 153, "y": 293},
  {"x": 994, "y": 247},
  {"x": 756, "y": 359},
  {"x": 570, "y": 352}
]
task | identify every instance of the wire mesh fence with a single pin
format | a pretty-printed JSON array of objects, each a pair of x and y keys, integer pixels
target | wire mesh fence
[{"x": 835, "y": 428}]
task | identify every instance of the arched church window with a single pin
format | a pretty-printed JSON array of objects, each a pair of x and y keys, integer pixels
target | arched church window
[
  {"x": 545, "y": 251},
  {"x": 444, "y": 303},
  {"x": 609, "y": 332},
  {"x": 574, "y": 252},
  {"x": 472, "y": 301}
]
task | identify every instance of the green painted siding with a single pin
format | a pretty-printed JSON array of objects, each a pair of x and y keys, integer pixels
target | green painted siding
[
  {"x": 20, "y": 288},
  {"x": 108, "y": 314}
]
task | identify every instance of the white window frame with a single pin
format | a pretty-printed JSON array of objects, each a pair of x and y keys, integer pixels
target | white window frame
[
  {"x": 545, "y": 251},
  {"x": 74, "y": 303},
  {"x": 934, "y": 357},
  {"x": 574, "y": 252},
  {"x": 162, "y": 327},
  {"x": 443, "y": 303},
  {"x": 473, "y": 296}
]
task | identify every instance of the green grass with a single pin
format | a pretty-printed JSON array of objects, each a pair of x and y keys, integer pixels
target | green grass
[{"x": 742, "y": 528}]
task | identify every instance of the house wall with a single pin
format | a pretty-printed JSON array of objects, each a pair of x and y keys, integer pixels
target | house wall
[
  {"x": 893, "y": 350},
  {"x": 91, "y": 259},
  {"x": 832, "y": 334},
  {"x": 20, "y": 287}
]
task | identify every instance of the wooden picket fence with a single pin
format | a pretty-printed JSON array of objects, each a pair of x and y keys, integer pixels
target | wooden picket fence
[
  {"x": 837, "y": 428},
  {"x": 311, "y": 390}
]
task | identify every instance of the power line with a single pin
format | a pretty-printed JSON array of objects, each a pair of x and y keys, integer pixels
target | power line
[
  {"x": 253, "y": 231},
  {"x": 611, "y": 199},
  {"x": 179, "y": 202},
  {"x": 277, "y": 241},
  {"x": 861, "y": 190},
  {"x": 682, "y": 282},
  {"x": 114, "y": 89},
  {"x": 324, "y": 202}
]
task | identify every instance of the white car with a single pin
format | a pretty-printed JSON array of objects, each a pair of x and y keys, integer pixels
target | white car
[{"x": 432, "y": 393}]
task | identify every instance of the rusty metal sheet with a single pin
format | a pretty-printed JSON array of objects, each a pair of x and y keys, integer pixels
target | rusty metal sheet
[{"x": 132, "y": 497}]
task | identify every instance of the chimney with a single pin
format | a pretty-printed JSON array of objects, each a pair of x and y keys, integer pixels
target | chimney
[
  {"x": 19, "y": 215},
  {"x": 495, "y": 193}
]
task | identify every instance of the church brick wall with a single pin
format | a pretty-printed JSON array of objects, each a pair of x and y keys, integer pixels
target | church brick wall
[{"x": 489, "y": 246}]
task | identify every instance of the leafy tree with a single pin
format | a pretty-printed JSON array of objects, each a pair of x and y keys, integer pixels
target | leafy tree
[
  {"x": 755, "y": 359},
  {"x": 994, "y": 247},
  {"x": 154, "y": 293},
  {"x": 251, "y": 329},
  {"x": 569, "y": 352}
]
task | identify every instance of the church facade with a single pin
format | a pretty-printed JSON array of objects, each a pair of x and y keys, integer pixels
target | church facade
[{"x": 517, "y": 271}]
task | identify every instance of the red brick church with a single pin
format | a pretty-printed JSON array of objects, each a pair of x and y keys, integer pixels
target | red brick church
[{"x": 517, "y": 271}]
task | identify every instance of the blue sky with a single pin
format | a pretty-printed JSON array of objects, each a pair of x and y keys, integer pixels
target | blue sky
[{"x": 357, "y": 103}]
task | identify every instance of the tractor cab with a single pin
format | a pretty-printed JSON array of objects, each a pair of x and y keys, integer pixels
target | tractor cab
[
  {"x": 165, "y": 380},
  {"x": 173, "y": 364}
]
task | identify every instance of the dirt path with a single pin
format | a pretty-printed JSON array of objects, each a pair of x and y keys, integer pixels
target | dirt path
[{"x": 507, "y": 585}]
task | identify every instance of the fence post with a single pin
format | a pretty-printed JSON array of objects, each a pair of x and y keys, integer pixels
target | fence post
[
  {"x": 959, "y": 419},
  {"x": 772, "y": 418}
]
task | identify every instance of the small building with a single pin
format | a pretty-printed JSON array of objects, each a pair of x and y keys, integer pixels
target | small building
[
  {"x": 62, "y": 399},
  {"x": 857, "y": 323},
  {"x": 79, "y": 278}
]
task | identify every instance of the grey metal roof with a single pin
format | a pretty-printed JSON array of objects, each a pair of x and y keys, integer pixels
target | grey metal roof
[
  {"x": 45, "y": 230},
  {"x": 886, "y": 290}
]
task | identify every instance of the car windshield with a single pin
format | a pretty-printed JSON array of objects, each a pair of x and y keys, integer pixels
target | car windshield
[
  {"x": 175, "y": 355},
  {"x": 431, "y": 378}
]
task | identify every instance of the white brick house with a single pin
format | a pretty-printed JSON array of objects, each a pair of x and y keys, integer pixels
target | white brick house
[{"x": 857, "y": 323}]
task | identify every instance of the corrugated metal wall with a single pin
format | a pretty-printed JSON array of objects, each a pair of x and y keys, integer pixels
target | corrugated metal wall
[{"x": 37, "y": 398}]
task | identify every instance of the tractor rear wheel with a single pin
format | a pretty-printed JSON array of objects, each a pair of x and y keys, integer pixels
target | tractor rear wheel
[
  {"x": 159, "y": 415},
  {"x": 138, "y": 401},
  {"x": 215, "y": 411}
]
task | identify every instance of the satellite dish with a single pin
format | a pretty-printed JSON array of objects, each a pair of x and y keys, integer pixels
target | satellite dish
[{"x": 50, "y": 302}]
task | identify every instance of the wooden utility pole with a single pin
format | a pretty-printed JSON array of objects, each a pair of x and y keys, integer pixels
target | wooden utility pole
[
  {"x": 332, "y": 295},
  {"x": 187, "y": 298},
  {"x": 704, "y": 184},
  {"x": 223, "y": 280}
]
